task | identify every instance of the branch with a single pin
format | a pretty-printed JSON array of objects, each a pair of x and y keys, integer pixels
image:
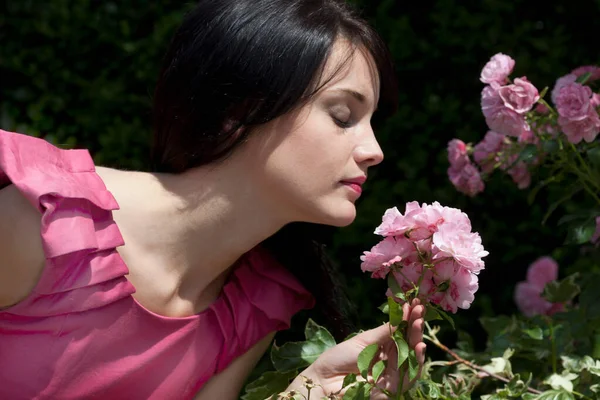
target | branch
[{"x": 459, "y": 359}]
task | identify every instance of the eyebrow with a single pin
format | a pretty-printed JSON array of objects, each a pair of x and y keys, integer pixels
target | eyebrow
[{"x": 357, "y": 95}]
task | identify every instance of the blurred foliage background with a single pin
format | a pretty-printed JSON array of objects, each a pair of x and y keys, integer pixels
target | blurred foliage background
[{"x": 81, "y": 73}]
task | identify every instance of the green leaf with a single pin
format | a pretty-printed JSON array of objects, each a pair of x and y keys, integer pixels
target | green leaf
[
  {"x": 395, "y": 288},
  {"x": 401, "y": 346},
  {"x": 446, "y": 317},
  {"x": 561, "y": 381},
  {"x": 360, "y": 391},
  {"x": 413, "y": 365},
  {"x": 366, "y": 357},
  {"x": 583, "y": 78},
  {"x": 429, "y": 388},
  {"x": 395, "y": 312},
  {"x": 534, "y": 333},
  {"x": 581, "y": 232},
  {"x": 593, "y": 155},
  {"x": 378, "y": 369},
  {"x": 561, "y": 291},
  {"x": 267, "y": 384},
  {"x": 384, "y": 308},
  {"x": 528, "y": 153},
  {"x": 314, "y": 332},
  {"x": 432, "y": 314},
  {"x": 296, "y": 355},
  {"x": 349, "y": 380}
]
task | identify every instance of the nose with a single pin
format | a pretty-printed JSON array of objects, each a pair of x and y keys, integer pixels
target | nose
[{"x": 368, "y": 153}]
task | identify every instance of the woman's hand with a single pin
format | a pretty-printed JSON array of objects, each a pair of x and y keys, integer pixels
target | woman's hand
[{"x": 333, "y": 365}]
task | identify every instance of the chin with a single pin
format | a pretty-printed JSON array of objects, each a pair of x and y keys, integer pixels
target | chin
[{"x": 340, "y": 215}]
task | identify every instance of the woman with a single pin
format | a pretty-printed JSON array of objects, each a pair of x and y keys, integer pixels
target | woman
[{"x": 171, "y": 284}]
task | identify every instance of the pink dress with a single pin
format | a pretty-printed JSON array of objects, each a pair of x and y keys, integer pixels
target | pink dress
[{"x": 80, "y": 334}]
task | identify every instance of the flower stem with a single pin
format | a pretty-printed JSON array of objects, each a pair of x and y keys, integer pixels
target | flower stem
[
  {"x": 553, "y": 345},
  {"x": 433, "y": 338}
]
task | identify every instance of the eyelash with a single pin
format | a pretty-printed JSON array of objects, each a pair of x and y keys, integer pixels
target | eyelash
[{"x": 341, "y": 124}]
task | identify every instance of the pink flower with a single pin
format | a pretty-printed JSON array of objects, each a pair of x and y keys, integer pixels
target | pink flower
[
  {"x": 385, "y": 254},
  {"x": 457, "y": 153},
  {"x": 573, "y": 101},
  {"x": 466, "y": 180},
  {"x": 497, "y": 69},
  {"x": 409, "y": 275},
  {"x": 456, "y": 285},
  {"x": 528, "y": 293},
  {"x": 596, "y": 237},
  {"x": 593, "y": 69},
  {"x": 541, "y": 108},
  {"x": 577, "y": 130},
  {"x": 520, "y": 175},
  {"x": 560, "y": 82},
  {"x": 498, "y": 117},
  {"x": 485, "y": 153},
  {"x": 452, "y": 241},
  {"x": 520, "y": 96},
  {"x": 595, "y": 100}
]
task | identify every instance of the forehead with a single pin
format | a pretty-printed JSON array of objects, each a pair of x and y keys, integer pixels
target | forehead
[{"x": 351, "y": 67}]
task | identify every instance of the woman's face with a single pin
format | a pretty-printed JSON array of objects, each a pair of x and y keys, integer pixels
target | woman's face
[{"x": 312, "y": 162}]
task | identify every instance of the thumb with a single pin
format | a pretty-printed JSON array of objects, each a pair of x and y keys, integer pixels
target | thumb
[{"x": 378, "y": 335}]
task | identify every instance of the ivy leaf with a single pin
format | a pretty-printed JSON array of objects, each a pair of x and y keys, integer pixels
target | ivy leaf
[
  {"x": 429, "y": 388},
  {"x": 561, "y": 381},
  {"x": 296, "y": 355},
  {"x": 562, "y": 291},
  {"x": 549, "y": 395},
  {"x": 267, "y": 384},
  {"x": 401, "y": 346},
  {"x": 366, "y": 357},
  {"x": 534, "y": 333}
]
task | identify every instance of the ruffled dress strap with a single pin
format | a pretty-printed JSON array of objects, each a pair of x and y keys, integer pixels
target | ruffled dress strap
[
  {"x": 260, "y": 297},
  {"x": 83, "y": 271}
]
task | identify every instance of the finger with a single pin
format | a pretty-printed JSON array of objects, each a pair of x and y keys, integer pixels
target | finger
[
  {"x": 415, "y": 333},
  {"x": 406, "y": 311},
  {"x": 420, "y": 352},
  {"x": 379, "y": 335}
]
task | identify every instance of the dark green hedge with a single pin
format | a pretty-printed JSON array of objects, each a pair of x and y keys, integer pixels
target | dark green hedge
[{"x": 81, "y": 74}]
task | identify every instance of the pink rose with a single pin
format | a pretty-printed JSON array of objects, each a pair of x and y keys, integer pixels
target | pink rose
[
  {"x": 528, "y": 294},
  {"x": 541, "y": 108},
  {"x": 485, "y": 153},
  {"x": 466, "y": 180},
  {"x": 520, "y": 175},
  {"x": 573, "y": 101},
  {"x": 456, "y": 286},
  {"x": 560, "y": 82},
  {"x": 410, "y": 276},
  {"x": 497, "y": 69},
  {"x": 520, "y": 96},
  {"x": 451, "y": 241},
  {"x": 507, "y": 121},
  {"x": 595, "y": 100},
  {"x": 592, "y": 69},
  {"x": 577, "y": 130},
  {"x": 457, "y": 153},
  {"x": 498, "y": 117},
  {"x": 383, "y": 255}
]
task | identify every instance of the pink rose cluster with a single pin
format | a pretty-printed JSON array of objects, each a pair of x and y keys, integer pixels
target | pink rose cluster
[
  {"x": 577, "y": 105},
  {"x": 432, "y": 248},
  {"x": 516, "y": 118},
  {"x": 528, "y": 294}
]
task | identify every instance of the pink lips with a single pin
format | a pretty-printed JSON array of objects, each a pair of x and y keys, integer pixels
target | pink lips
[{"x": 355, "y": 183}]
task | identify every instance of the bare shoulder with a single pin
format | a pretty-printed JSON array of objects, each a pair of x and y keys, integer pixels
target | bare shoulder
[
  {"x": 21, "y": 253},
  {"x": 228, "y": 384}
]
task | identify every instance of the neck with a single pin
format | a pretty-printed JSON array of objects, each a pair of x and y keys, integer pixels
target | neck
[{"x": 198, "y": 222}]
